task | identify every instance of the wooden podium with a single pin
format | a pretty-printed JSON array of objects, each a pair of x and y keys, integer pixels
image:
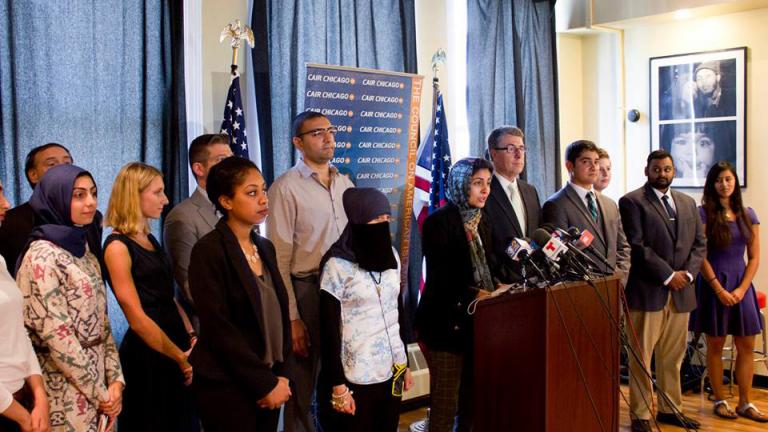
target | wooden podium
[{"x": 526, "y": 372}]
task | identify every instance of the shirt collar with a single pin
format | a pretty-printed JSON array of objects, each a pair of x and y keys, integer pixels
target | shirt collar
[
  {"x": 505, "y": 183},
  {"x": 582, "y": 192},
  {"x": 306, "y": 171},
  {"x": 660, "y": 194}
]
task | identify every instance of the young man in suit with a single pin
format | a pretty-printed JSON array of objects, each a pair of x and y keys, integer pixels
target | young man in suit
[
  {"x": 668, "y": 245},
  {"x": 196, "y": 216},
  {"x": 578, "y": 205},
  {"x": 20, "y": 220},
  {"x": 513, "y": 206}
]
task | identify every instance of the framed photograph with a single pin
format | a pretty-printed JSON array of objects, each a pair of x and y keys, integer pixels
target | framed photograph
[{"x": 698, "y": 112}]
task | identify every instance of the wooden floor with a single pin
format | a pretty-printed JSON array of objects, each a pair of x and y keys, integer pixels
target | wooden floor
[{"x": 692, "y": 407}]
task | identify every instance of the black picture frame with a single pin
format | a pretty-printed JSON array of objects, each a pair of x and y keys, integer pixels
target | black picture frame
[{"x": 698, "y": 112}]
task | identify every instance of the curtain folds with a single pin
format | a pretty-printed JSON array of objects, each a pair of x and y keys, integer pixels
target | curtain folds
[
  {"x": 103, "y": 78},
  {"x": 512, "y": 79},
  {"x": 376, "y": 34}
]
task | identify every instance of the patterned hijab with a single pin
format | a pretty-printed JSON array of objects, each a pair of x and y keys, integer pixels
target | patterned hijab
[{"x": 457, "y": 192}]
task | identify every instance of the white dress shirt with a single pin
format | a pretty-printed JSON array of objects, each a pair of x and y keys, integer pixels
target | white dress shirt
[{"x": 512, "y": 189}]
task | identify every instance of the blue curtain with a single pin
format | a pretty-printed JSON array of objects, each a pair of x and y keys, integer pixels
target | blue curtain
[
  {"x": 376, "y": 34},
  {"x": 512, "y": 79},
  {"x": 104, "y": 78}
]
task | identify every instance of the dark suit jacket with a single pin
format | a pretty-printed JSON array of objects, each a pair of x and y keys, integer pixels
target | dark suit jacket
[
  {"x": 498, "y": 210},
  {"x": 565, "y": 209},
  {"x": 14, "y": 233},
  {"x": 442, "y": 321},
  {"x": 659, "y": 247},
  {"x": 231, "y": 345}
]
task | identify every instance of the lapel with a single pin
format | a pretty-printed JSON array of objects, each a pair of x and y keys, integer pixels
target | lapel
[
  {"x": 204, "y": 208},
  {"x": 500, "y": 195},
  {"x": 571, "y": 194},
  {"x": 655, "y": 202},
  {"x": 242, "y": 269}
]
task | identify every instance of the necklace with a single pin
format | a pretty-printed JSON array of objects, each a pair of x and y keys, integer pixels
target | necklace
[{"x": 254, "y": 257}]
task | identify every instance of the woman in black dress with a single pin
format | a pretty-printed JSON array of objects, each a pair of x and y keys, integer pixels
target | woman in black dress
[
  {"x": 154, "y": 351},
  {"x": 243, "y": 308}
]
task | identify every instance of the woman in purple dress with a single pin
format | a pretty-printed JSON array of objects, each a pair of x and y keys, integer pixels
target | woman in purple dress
[{"x": 727, "y": 299}]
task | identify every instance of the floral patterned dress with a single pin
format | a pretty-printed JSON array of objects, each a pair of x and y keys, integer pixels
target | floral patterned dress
[{"x": 65, "y": 311}]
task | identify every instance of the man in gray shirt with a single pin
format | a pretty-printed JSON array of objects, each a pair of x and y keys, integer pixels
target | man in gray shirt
[{"x": 306, "y": 218}]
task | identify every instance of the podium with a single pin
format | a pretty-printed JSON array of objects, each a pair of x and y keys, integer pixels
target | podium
[{"x": 528, "y": 348}]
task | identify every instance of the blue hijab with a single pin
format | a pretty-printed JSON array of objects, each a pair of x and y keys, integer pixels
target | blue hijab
[{"x": 51, "y": 201}]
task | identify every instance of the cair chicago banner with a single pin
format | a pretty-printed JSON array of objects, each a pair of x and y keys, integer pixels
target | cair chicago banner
[{"x": 377, "y": 114}]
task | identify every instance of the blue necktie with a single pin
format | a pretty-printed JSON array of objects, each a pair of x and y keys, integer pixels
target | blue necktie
[{"x": 670, "y": 211}]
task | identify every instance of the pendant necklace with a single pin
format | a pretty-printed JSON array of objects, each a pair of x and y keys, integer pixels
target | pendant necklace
[{"x": 252, "y": 258}]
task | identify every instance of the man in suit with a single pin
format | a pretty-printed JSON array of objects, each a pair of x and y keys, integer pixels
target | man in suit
[
  {"x": 578, "y": 205},
  {"x": 668, "y": 245},
  {"x": 513, "y": 206},
  {"x": 196, "y": 216},
  {"x": 20, "y": 220}
]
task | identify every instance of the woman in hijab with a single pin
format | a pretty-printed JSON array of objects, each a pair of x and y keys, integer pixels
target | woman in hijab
[
  {"x": 65, "y": 305},
  {"x": 364, "y": 358},
  {"x": 456, "y": 242}
]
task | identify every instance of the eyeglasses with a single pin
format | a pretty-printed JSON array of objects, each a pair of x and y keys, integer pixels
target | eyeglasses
[
  {"x": 320, "y": 132},
  {"x": 511, "y": 149}
]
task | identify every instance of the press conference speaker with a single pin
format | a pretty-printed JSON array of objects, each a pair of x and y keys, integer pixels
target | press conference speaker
[{"x": 578, "y": 205}]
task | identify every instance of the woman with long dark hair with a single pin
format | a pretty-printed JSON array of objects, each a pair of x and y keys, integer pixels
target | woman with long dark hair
[
  {"x": 726, "y": 297},
  {"x": 456, "y": 240},
  {"x": 243, "y": 308}
]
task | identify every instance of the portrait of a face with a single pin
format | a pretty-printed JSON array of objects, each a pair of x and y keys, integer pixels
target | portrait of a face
[{"x": 694, "y": 154}]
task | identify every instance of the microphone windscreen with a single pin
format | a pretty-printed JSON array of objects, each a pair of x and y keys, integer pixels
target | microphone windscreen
[{"x": 540, "y": 236}]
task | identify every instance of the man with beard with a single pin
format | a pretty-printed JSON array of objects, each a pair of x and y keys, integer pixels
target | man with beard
[{"x": 665, "y": 233}]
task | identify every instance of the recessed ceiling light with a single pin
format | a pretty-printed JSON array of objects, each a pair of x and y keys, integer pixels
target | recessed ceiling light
[{"x": 682, "y": 14}]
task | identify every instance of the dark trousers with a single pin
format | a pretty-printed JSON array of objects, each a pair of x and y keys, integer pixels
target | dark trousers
[
  {"x": 451, "y": 382},
  {"x": 376, "y": 409},
  {"x": 303, "y": 371},
  {"x": 225, "y": 407}
]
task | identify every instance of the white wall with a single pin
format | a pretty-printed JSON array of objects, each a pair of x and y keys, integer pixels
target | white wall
[
  {"x": 217, "y": 58},
  {"x": 643, "y": 41}
]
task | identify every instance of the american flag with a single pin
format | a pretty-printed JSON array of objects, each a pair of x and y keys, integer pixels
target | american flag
[
  {"x": 432, "y": 166},
  {"x": 234, "y": 120}
]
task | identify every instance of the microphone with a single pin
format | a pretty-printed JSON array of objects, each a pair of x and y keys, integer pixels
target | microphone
[
  {"x": 521, "y": 251},
  {"x": 584, "y": 240},
  {"x": 557, "y": 251},
  {"x": 576, "y": 241}
]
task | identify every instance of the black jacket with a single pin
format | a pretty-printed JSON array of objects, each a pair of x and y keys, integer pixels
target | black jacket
[
  {"x": 442, "y": 322},
  {"x": 231, "y": 344}
]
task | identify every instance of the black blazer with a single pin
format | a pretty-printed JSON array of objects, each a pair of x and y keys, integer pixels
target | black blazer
[
  {"x": 231, "y": 344},
  {"x": 498, "y": 210},
  {"x": 659, "y": 247},
  {"x": 442, "y": 322}
]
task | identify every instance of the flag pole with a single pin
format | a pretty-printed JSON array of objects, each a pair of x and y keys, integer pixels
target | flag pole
[{"x": 438, "y": 58}]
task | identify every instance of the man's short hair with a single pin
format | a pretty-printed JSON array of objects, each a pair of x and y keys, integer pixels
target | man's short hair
[
  {"x": 576, "y": 148},
  {"x": 299, "y": 120},
  {"x": 29, "y": 162},
  {"x": 198, "y": 150},
  {"x": 602, "y": 154},
  {"x": 495, "y": 136},
  {"x": 659, "y": 154}
]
